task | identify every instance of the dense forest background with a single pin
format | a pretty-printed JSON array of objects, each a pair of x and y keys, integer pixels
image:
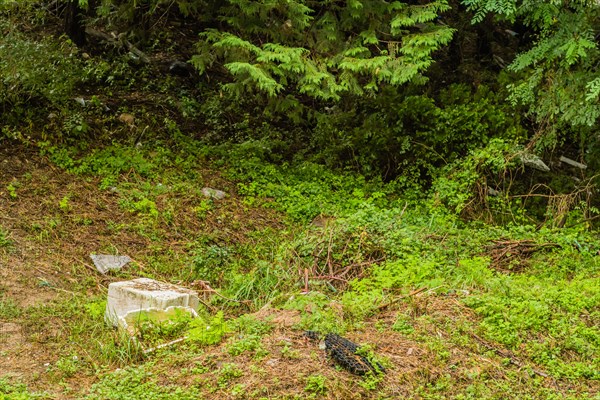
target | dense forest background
[{"x": 474, "y": 101}]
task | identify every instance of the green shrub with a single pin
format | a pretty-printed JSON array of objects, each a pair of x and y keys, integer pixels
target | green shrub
[
  {"x": 412, "y": 136},
  {"x": 18, "y": 391},
  {"x": 137, "y": 383},
  {"x": 35, "y": 74}
]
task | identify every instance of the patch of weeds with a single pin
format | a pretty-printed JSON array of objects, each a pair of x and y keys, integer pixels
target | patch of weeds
[
  {"x": 238, "y": 390},
  {"x": 227, "y": 373},
  {"x": 64, "y": 204},
  {"x": 288, "y": 352},
  {"x": 112, "y": 161},
  {"x": 207, "y": 330},
  {"x": 412, "y": 270},
  {"x": 18, "y": 391},
  {"x": 403, "y": 324},
  {"x": 316, "y": 384},
  {"x": 317, "y": 313},
  {"x": 138, "y": 383},
  {"x": 546, "y": 320},
  {"x": 250, "y": 325},
  {"x": 371, "y": 381},
  {"x": 211, "y": 262},
  {"x": 65, "y": 367},
  {"x": 9, "y": 309},
  {"x": 5, "y": 238},
  {"x": 137, "y": 203},
  {"x": 83, "y": 221},
  {"x": 120, "y": 348},
  {"x": 247, "y": 343},
  {"x": 203, "y": 209},
  {"x": 153, "y": 327},
  {"x": 367, "y": 352},
  {"x": 12, "y": 190},
  {"x": 260, "y": 284},
  {"x": 84, "y": 330},
  {"x": 437, "y": 347},
  {"x": 302, "y": 190},
  {"x": 96, "y": 309},
  {"x": 200, "y": 369},
  {"x": 250, "y": 331}
]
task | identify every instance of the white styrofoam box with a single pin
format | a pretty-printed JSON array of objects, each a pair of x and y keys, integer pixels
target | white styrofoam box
[{"x": 144, "y": 293}]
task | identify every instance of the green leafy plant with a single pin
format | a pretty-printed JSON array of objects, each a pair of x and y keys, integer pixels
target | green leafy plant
[
  {"x": 211, "y": 262},
  {"x": 152, "y": 326},
  {"x": 64, "y": 203},
  {"x": 316, "y": 384},
  {"x": 207, "y": 331},
  {"x": 247, "y": 343},
  {"x": 227, "y": 373},
  {"x": 137, "y": 382},
  {"x": 12, "y": 189},
  {"x": 46, "y": 71},
  {"x": 556, "y": 79},
  {"x": 8, "y": 308},
  {"x": 5, "y": 238},
  {"x": 18, "y": 391},
  {"x": 65, "y": 367}
]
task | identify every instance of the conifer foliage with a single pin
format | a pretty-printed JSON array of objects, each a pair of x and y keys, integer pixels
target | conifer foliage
[
  {"x": 559, "y": 75},
  {"x": 322, "y": 49}
]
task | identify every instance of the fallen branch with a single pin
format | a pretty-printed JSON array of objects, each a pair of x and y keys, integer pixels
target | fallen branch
[
  {"x": 397, "y": 299},
  {"x": 118, "y": 41},
  {"x": 504, "y": 252}
]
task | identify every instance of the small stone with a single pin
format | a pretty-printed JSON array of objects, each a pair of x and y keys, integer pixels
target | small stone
[
  {"x": 272, "y": 362},
  {"x": 127, "y": 119},
  {"x": 181, "y": 68},
  {"x": 107, "y": 262},
  {"x": 213, "y": 193}
]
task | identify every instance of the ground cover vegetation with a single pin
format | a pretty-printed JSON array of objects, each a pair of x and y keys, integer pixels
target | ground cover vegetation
[{"x": 419, "y": 177}]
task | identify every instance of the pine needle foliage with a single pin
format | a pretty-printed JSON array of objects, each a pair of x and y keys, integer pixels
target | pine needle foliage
[
  {"x": 559, "y": 79},
  {"x": 322, "y": 49}
]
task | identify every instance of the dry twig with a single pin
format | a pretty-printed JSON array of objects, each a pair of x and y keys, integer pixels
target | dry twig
[{"x": 397, "y": 299}]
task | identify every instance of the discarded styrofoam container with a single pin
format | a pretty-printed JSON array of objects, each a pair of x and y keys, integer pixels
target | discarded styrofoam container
[{"x": 143, "y": 293}]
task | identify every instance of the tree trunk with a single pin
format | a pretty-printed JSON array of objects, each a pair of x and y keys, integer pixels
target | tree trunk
[{"x": 74, "y": 23}]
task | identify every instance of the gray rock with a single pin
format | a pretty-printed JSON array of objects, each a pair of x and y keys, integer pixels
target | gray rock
[
  {"x": 107, "y": 262},
  {"x": 493, "y": 192},
  {"x": 213, "y": 193},
  {"x": 181, "y": 68},
  {"x": 533, "y": 161}
]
